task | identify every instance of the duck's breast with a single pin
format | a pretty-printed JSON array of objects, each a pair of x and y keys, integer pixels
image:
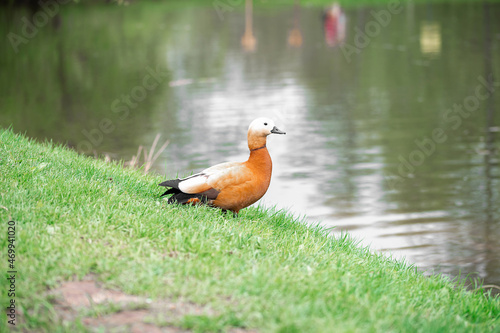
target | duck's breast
[{"x": 250, "y": 183}]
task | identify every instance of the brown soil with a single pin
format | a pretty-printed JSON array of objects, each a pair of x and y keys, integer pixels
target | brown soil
[{"x": 81, "y": 299}]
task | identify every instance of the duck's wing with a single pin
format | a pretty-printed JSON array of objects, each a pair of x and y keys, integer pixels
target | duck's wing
[
  {"x": 208, "y": 183},
  {"x": 228, "y": 174}
]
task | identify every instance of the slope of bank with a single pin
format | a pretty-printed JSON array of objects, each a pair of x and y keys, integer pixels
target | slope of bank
[{"x": 140, "y": 261}]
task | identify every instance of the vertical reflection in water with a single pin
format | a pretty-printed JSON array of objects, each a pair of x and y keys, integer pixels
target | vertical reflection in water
[
  {"x": 334, "y": 22},
  {"x": 248, "y": 40},
  {"x": 295, "y": 36},
  {"x": 430, "y": 34}
]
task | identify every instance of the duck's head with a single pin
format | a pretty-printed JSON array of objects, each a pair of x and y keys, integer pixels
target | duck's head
[
  {"x": 262, "y": 127},
  {"x": 258, "y": 131}
]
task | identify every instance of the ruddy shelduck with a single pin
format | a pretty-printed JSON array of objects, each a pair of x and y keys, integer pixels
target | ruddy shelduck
[{"x": 233, "y": 185}]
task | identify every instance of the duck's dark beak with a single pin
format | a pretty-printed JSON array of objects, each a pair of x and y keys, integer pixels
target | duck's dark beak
[{"x": 276, "y": 130}]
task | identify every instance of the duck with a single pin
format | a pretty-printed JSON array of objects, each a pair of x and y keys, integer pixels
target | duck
[{"x": 230, "y": 186}]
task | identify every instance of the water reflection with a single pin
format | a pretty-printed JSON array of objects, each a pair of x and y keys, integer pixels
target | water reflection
[
  {"x": 334, "y": 22},
  {"x": 295, "y": 36},
  {"x": 248, "y": 40},
  {"x": 348, "y": 122},
  {"x": 430, "y": 38}
]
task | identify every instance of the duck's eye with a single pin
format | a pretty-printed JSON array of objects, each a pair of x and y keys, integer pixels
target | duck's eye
[{"x": 265, "y": 124}]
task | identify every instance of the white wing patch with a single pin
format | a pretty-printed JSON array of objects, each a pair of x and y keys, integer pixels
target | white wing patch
[
  {"x": 222, "y": 167},
  {"x": 217, "y": 177},
  {"x": 194, "y": 184}
]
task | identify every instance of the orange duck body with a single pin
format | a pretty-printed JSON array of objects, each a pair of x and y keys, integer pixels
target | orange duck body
[{"x": 233, "y": 185}]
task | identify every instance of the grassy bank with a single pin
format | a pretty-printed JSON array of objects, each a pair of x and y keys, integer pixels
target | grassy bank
[{"x": 79, "y": 218}]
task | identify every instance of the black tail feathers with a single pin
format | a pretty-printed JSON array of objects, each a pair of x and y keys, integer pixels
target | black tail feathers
[
  {"x": 174, "y": 183},
  {"x": 179, "y": 196}
]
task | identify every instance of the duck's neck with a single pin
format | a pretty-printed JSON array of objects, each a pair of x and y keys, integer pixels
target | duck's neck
[
  {"x": 259, "y": 156},
  {"x": 256, "y": 142}
]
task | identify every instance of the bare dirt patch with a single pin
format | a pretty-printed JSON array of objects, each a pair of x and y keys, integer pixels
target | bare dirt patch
[
  {"x": 112, "y": 310},
  {"x": 85, "y": 293}
]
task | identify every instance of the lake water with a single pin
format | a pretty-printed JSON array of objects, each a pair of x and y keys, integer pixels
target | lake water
[{"x": 391, "y": 114}]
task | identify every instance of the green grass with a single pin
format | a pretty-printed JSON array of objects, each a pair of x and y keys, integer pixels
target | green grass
[{"x": 264, "y": 270}]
